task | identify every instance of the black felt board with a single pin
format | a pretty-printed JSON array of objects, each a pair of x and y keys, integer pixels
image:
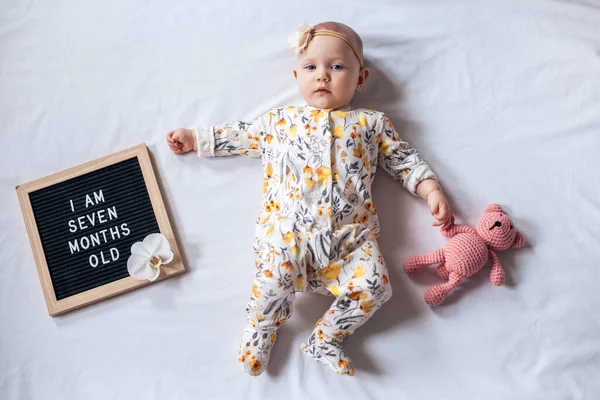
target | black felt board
[{"x": 97, "y": 220}]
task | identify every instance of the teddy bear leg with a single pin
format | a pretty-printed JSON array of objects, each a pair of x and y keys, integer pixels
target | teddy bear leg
[
  {"x": 436, "y": 295},
  {"x": 442, "y": 272},
  {"x": 417, "y": 263}
]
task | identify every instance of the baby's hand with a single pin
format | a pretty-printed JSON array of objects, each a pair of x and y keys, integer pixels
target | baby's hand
[
  {"x": 181, "y": 140},
  {"x": 440, "y": 209}
]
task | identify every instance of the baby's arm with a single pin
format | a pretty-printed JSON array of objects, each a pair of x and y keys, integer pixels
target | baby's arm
[
  {"x": 231, "y": 138},
  {"x": 404, "y": 163}
]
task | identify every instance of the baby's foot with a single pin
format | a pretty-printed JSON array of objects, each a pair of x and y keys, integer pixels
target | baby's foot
[
  {"x": 329, "y": 351},
  {"x": 255, "y": 350}
]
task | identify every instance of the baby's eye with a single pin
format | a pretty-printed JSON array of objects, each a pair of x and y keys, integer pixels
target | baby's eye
[
  {"x": 336, "y": 67},
  {"x": 310, "y": 67}
]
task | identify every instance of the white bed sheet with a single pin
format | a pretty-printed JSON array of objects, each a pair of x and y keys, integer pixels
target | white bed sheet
[{"x": 503, "y": 99}]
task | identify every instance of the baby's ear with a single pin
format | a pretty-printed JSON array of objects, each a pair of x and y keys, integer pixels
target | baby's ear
[
  {"x": 362, "y": 78},
  {"x": 494, "y": 208},
  {"x": 519, "y": 241}
]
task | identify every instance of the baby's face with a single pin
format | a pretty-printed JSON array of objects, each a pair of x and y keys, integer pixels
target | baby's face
[{"x": 329, "y": 73}]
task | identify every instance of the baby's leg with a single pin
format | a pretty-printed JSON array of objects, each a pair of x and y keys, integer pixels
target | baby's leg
[
  {"x": 361, "y": 284},
  {"x": 271, "y": 304}
]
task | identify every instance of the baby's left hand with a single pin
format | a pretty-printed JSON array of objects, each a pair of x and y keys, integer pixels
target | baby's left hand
[{"x": 438, "y": 205}]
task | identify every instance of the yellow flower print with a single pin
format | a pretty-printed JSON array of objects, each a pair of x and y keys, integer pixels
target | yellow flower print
[
  {"x": 367, "y": 251},
  {"x": 340, "y": 114},
  {"x": 255, "y": 291},
  {"x": 269, "y": 138},
  {"x": 267, "y": 273},
  {"x": 367, "y": 306},
  {"x": 335, "y": 290},
  {"x": 269, "y": 169},
  {"x": 295, "y": 251},
  {"x": 255, "y": 366},
  {"x": 330, "y": 272},
  {"x": 288, "y": 237},
  {"x": 384, "y": 148},
  {"x": 359, "y": 271},
  {"x": 281, "y": 122},
  {"x": 362, "y": 120},
  {"x": 293, "y": 131},
  {"x": 270, "y": 230},
  {"x": 309, "y": 182},
  {"x": 315, "y": 114},
  {"x": 355, "y": 296},
  {"x": 338, "y": 131},
  {"x": 340, "y": 335},
  {"x": 385, "y": 279},
  {"x": 323, "y": 174},
  {"x": 368, "y": 205},
  {"x": 298, "y": 283},
  {"x": 364, "y": 218},
  {"x": 287, "y": 265},
  {"x": 308, "y": 170}
]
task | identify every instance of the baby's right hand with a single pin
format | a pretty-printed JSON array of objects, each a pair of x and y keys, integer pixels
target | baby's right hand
[{"x": 181, "y": 140}]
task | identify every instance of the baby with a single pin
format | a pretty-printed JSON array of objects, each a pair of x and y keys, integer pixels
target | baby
[{"x": 318, "y": 228}]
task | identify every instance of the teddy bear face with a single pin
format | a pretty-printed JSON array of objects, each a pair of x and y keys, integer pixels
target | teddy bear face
[{"x": 497, "y": 229}]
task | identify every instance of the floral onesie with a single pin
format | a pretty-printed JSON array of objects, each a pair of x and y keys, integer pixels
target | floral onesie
[{"x": 317, "y": 230}]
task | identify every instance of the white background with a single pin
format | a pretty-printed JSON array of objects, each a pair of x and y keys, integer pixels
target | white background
[{"x": 501, "y": 97}]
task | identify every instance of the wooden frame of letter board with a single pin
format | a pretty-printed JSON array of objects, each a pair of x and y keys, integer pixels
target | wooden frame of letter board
[{"x": 56, "y": 307}]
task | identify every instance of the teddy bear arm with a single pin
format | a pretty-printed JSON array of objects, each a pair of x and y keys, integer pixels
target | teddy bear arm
[
  {"x": 497, "y": 275},
  {"x": 456, "y": 229}
]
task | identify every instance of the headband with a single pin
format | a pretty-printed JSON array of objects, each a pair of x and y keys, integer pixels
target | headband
[{"x": 299, "y": 40}]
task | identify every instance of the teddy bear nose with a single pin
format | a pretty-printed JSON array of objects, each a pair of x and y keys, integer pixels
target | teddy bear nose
[{"x": 497, "y": 224}]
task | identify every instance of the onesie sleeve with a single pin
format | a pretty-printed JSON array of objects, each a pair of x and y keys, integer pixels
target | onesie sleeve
[
  {"x": 232, "y": 138},
  {"x": 400, "y": 159}
]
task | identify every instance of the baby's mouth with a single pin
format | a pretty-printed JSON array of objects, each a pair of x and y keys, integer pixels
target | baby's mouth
[{"x": 322, "y": 90}]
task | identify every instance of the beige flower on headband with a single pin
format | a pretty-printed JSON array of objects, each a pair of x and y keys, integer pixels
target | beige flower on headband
[{"x": 299, "y": 40}]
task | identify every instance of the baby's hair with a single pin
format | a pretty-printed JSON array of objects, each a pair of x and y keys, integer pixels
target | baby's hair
[{"x": 345, "y": 30}]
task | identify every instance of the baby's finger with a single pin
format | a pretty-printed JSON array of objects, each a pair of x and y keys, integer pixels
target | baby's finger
[{"x": 447, "y": 224}]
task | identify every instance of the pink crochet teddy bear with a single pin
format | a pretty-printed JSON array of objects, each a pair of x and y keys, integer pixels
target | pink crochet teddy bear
[{"x": 468, "y": 251}]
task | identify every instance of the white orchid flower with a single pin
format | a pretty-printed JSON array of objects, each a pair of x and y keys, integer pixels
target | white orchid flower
[
  {"x": 147, "y": 257},
  {"x": 299, "y": 40}
]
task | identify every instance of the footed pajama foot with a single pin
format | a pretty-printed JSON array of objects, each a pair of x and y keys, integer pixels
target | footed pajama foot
[
  {"x": 255, "y": 350},
  {"x": 328, "y": 351}
]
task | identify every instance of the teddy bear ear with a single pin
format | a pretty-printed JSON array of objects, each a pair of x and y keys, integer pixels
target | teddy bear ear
[
  {"x": 519, "y": 241},
  {"x": 494, "y": 208}
]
